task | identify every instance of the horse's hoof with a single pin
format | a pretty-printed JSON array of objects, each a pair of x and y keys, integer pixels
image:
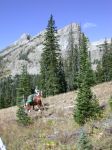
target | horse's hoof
[{"x": 39, "y": 110}]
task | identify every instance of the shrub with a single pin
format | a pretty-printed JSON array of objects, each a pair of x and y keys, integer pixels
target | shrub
[
  {"x": 23, "y": 117},
  {"x": 84, "y": 143}
]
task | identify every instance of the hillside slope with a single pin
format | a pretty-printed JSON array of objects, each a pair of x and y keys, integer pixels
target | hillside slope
[
  {"x": 55, "y": 126},
  {"x": 63, "y": 101}
]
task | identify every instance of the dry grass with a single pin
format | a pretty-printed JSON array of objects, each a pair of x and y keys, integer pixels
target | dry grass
[
  {"x": 103, "y": 91},
  {"x": 54, "y": 127}
]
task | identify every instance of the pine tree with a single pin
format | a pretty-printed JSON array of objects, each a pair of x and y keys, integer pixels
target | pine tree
[
  {"x": 99, "y": 73},
  {"x": 84, "y": 143},
  {"x": 23, "y": 117},
  {"x": 8, "y": 96},
  {"x": 85, "y": 70},
  {"x": 23, "y": 89},
  {"x": 71, "y": 63},
  {"x": 50, "y": 62},
  {"x": 107, "y": 61},
  {"x": 61, "y": 74},
  {"x": 10, "y": 86},
  {"x": 22, "y": 92},
  {"x": 5, "y": 92},
  {"x": 14, "y": 89},
  {"x": 87, "y": 106}
]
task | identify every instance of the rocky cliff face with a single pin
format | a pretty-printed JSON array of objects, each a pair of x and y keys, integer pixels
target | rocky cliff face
[
  {"x": 96, "y": 51},
  {"x": 27, "y": 50}
]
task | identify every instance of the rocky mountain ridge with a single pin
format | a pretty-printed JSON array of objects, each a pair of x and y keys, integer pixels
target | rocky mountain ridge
[{"x": 27, "y": 50}]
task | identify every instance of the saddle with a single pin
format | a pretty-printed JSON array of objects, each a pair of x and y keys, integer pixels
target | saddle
[{"x": 38, "y": 96}]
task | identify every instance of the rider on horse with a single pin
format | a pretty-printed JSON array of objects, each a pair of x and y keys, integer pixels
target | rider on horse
[
  {"x": 34, "y": 99},
  {"x": 30, "y": 98}
]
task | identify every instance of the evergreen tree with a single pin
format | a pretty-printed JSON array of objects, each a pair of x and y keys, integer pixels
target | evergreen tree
[
  {"x": 23, "y": 89},
  {"x": 84, "y": 143},
  {"x": 99, "y": 73},
  {"x": 50, "y": 63},
  {"x": 14, "y": 90},
  {"x": 71, "y": 63},
  {"x": 23, "y": 117},
  {"x": 7, "y": 96},
  {"x": 104, "y": 69},
  {"x": 85, "y": 70},
  {"x": 87, "y": 106},
  {"x": 22, "y": 92},
  {"x": 1, "y": 94},
  {"x": 9, "y": 87},
  {"x": 107, "y": 61},
  {"x": 61, "y": 74}
]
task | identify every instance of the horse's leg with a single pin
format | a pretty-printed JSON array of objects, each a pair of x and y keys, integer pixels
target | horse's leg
[
  {"x": 28, "y": 108},
  {"x": 39, "y": 108},
  {"x": 33, "y": 107},
  {"x": 41, "y": 105}
]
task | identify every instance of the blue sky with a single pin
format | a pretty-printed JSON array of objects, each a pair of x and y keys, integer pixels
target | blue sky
[{"x": 31, "y": 16}]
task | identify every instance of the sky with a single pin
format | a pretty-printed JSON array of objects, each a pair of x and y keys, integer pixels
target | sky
[{"x": 31, "y": 16}]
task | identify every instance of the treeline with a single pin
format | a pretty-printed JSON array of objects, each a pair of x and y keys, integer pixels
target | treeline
[
  {"x": 8, "y": 91},
  {"x": 57, "y": 74},
  {"x": 104, "y": 67},
  {"x": 9, "y": 87}
]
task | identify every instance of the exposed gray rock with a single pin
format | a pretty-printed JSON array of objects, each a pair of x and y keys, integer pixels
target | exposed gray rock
[
  {"x": 27, "y": 50},
  {"x": 96, "y": 51}
]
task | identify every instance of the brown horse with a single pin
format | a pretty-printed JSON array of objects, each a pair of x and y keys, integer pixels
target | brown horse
[{"x": 37, "y": 101}]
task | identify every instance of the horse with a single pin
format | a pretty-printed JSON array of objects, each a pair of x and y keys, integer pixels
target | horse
[{"x": 37, "y": 101}]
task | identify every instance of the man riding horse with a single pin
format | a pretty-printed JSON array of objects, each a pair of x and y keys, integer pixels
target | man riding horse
[
  {"x": 34, "y": 99},
  {"x": 30, "y": 97}
]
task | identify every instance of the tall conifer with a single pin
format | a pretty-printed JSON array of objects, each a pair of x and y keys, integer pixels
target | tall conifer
[
  {"x": 107, "y": 61},
  {"x": 86, "y": 105},
  {"x": 51, "y": 74},
  {"x": 22, "y": 92},
  {"x": 23, "y": 89},
  {"x": 71, "y": 63}
]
